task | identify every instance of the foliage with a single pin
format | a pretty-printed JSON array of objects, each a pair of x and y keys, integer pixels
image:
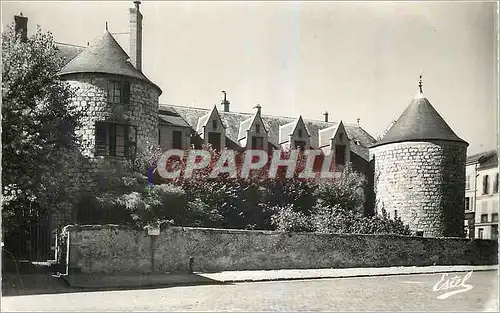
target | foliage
[
  {"x": 287, "y": 219},
  {"x": 257, "y": 202},
  {"x": 345, "y": 192},
  {"x": 38, "y": 126}
]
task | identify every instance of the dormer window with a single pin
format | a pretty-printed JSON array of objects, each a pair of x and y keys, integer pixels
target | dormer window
[
  {"x": 214, "y": 124},
  {"x": 300, "y": 133},
  {"x": 257, "y": 128},
  {"x": 214, "y": 139},
  {"x": 118, "y": 92},
  {"x": 258, "y": 143},
  {"x": 341, "y": 137},
  {"x": 300, "y": 144}
]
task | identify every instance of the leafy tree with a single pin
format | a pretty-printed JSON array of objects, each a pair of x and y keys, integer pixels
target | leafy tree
[{"x": 38, "y": 127}]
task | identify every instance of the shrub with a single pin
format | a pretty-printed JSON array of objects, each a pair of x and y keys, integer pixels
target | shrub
[{"x": 287, "y": 219}]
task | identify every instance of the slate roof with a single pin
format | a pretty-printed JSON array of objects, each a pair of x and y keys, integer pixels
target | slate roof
[
  {"x": 68, "y": 52},
  {"x": 244, "y": 126},
  {"x": 288, "y": 129},
  {"x": 490, "y": 161},
  {"x": 326, "y": 134},
  {"x": 483, "y": 158},
  {"x": 232, "y": 121},
  {"x": 419, "y": 122},
  {"x": 104, "y": 55}
]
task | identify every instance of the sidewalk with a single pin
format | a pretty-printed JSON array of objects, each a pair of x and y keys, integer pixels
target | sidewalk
[{"x": 105, "y": 281}]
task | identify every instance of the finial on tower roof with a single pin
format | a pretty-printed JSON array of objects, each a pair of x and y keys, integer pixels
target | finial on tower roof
[
  {"x": 106, "y": 25},
  {"x": 137, "y": 3},
  {"x": 420, "y": 84},
  {"x": 358, "y": 121}
]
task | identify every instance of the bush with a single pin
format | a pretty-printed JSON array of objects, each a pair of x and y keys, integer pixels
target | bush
[
  {"x": 345, "y": 192},
  {"x": 287, "y": 219}
]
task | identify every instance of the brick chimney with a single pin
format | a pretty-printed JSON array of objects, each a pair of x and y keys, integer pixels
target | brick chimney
[
  {"x": 326, "y": 116},
  {"x": 21, "y": 26},
  {"x": 136, "y": 36},
  {"x": 224, "y": 102}
]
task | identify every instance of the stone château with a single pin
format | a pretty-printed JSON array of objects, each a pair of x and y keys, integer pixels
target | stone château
[{"x": 418, "y": 165}]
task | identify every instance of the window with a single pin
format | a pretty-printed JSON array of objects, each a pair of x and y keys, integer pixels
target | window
[
  {"x": 480, "y": 233},
  {"x": 467, "y": 203},
  {"x": 340, "y": 155},
  {"x": 112, "y": 139},
  {"x": 258, "y": 142},
  {"x": 484, "y": 218},
  {"x": 495, "y": 185},
  {"x": 118, "y": 92},
  {"x": 177, "y": 139},
  {"x": 341, "y": 137},
  {"x": 300, "y": 133},
  {"x": 257, "y": 128},
  {"x": 494, "y": 217},
  {"x": 214, "y": 124},
  {"x": 486, "y": 184},
  {"x": 215, "y": 140},
  {"x": 300, "y": 144},
  {"x": 420, "y": 233},
  {"x": 494, "y": 232},
  {"x": 467, "y": 182}
]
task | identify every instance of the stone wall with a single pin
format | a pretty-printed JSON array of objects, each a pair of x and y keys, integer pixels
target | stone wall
[
  {"x": 87, "y": 171},
  {"x": 111, "y": 248},
  {"x": 91, "y": 97},
  {"x": 424, "y": 183}
]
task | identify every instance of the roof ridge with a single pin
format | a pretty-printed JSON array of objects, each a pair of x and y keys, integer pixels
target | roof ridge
[
  {"x": 263, "y": 115},
  {"x": 68, "y": 44}
]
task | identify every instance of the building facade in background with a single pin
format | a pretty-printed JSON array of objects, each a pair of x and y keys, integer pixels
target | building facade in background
[{"x": 481, "y": 196}]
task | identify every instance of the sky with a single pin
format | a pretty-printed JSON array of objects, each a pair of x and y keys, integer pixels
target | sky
[{"x": 352, "y": 59}]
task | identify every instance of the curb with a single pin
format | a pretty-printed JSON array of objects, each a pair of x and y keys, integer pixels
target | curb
[
  {"x": 215, "y": 281},
  {"x": 249, "y": 280}
]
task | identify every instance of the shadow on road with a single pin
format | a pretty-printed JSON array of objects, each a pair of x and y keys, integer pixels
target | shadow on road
[{"x": 33, "y": 280}]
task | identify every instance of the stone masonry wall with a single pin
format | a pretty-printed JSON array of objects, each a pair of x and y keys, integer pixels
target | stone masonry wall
[
  {"x": 87, "y": 171},
  {"x": 109, "y": 249},
  {"x": 424, "y": 182}
]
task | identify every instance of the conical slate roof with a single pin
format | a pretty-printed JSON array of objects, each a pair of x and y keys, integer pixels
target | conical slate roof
[
  {"x": 419, "y": 122},
  {"x": 104, "y": 55}
]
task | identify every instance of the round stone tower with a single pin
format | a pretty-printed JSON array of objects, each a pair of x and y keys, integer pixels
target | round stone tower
[
  {"x": 420, "y": 172},
  {"x": 119, "y": 104}
]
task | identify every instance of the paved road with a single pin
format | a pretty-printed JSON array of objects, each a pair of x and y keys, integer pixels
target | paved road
[{"x": 392, "y": 293}]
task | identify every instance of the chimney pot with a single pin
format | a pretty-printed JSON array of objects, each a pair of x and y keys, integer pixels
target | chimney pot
[
  {"x": 224, "y": 101},
  {"x": 326, "y": 116},
  {"x": 21, "y": 26},
  {"x": 136, "y": 36}
]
